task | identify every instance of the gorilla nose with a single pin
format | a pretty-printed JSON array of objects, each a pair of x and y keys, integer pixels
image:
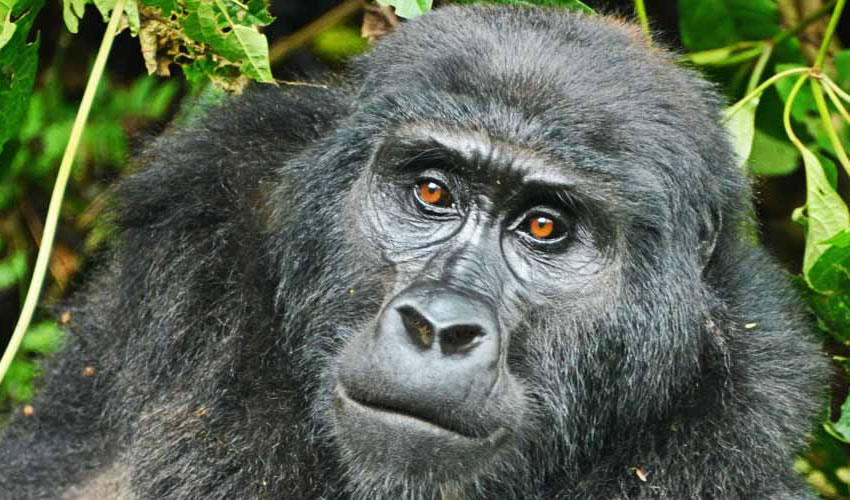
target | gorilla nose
[
  {"x": 455, "y": 323},
  {"x": 434, "y": 354}
]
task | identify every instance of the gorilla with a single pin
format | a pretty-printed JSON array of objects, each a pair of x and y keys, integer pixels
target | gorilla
[{"x": 507, "y": 256}]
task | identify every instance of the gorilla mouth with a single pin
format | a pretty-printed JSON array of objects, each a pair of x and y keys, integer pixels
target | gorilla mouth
[
  {"x": 397, "y": 418},
  {"x": 389, "y": 441}
]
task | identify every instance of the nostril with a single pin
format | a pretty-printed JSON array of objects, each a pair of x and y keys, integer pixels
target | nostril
[
  {"x": 460, "y": 338},
  {"x": 417, "y": 327}
]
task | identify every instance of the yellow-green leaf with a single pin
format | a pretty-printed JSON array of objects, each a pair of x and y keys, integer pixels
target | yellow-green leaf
[{"x": 741, "y": 128}]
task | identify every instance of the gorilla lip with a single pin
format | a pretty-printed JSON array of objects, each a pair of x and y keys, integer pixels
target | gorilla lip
[{"x": 344, "y": 404}]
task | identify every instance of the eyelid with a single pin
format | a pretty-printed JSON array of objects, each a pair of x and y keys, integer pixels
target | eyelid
[
  {"x": 429, "y": 207},
  {"x": 562, "y": 224}
]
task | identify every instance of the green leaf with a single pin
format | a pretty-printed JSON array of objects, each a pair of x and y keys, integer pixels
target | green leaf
[
  {"x": 72, "y": 12},
  {"x": 258, "y": 13},
  {"x": 166, "y": 6},
  {"x": 43, "y": 338},
  {"x": 18, "y": 380},
  {"x": 831, "y": 272},
  {"x": 339, "y": 43},
  {"x": 18, "y": 64},
  {"x": 7, "y": 27},
  {"x": 741, "y": 128},
  {"x": 408, "y": 9},
  {"x": 826, "y": 213},
  {"x": 833, "y": 313},
  {"x": 840, "y": 429},
  {"x": 104, "y": 7},
  {"x": 13, "y": 269},
  {"x": 711, "y": 24},
  {"x": 771, "y": 156},
  {"x": 713, "y": 56},
  {"x": 237, "y": 43},
  {"x": 255, "y": 53}
]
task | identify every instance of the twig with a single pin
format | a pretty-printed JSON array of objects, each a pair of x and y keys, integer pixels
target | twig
[{"x": 305, "y": 35}]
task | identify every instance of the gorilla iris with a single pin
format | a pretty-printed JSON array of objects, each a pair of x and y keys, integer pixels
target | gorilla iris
[{"x": 504, "y": 259}]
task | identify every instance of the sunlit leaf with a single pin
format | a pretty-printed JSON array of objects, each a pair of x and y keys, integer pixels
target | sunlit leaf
[
  {"x": 408, "y": 9},
  {"x": 741, "y": 127},
  {"x": 7, "y": 27},
  {"x": 826, "y": 213}
]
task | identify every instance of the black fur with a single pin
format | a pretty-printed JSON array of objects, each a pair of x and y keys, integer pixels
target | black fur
[{"x": 234, "y": 279}]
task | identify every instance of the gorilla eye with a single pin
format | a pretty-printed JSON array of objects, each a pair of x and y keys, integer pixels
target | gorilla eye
[
  {"x": 543, "y": 227},
  {"x": 433, "y": 193}
]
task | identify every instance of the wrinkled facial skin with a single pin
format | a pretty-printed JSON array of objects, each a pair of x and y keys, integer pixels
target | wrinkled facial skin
[{"x": 475, "y": 238}]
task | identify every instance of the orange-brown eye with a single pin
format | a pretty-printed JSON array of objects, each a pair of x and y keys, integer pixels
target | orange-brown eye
[
  {"x": 541, "y": 227},
  {"x": 432, "y": 193}
]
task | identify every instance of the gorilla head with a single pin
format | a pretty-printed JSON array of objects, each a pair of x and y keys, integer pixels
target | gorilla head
[{"x": 505, "y": 259}]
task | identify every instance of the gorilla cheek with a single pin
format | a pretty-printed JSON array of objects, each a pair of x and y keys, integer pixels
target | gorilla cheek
[{"x": 426, "y": 391}]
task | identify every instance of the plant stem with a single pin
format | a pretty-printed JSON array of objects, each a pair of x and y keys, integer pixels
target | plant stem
[
  {"x": 53, "y": 210},
  {"x": 303, "y": 36},
  {"x": 767, "y": 83},
  {"x": 758, "y": 70},
  {"x": 836, "y": 101},
  {"x": 640, "y": 9},
  {"x": 786, "y": 113},
  {"x": 834, "y": 86},
  {"x": 827, "y": 36},
  {"x": 826, "y": 119}
]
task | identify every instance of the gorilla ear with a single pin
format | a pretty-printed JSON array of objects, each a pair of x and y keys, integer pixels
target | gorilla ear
[{"x": 709, "y": 229}]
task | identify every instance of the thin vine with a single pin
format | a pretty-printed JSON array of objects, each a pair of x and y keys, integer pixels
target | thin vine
[{"x": 50, "y": 223}]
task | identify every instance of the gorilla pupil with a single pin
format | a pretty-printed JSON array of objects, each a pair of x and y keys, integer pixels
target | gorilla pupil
[{"x": 542, "y": 227}]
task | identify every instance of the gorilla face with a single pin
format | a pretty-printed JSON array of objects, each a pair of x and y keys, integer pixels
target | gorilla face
[
  {"x": 476, "y": 235},
  {"x": 535, "y": 257}
]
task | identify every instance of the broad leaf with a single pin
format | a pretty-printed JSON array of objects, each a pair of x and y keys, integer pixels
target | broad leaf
[
  {"x": 826, "y": 214},
  {"x": 741, "y": 128},
  {"x": 18, "y": 64},
  {"x": 7, "y": 27},
  {"x": 711, "y": 24},
  {"x": 771, "y": 156}
]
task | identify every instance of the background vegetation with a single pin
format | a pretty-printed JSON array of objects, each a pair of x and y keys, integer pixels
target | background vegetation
[{"x": 781, "y": 62}]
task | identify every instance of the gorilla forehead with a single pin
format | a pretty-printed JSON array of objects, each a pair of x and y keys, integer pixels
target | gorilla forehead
[{"x": 548, "y": 79}]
